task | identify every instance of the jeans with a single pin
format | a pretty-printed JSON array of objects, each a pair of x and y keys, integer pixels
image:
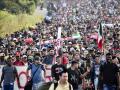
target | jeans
[
  {"x": 109, "y": 87},
  {"x": 8, "y": 87},
  {"x": 96, "y": 83},
  {"x": 37, "y": 86},
  {"x": 80, "y": 87}
]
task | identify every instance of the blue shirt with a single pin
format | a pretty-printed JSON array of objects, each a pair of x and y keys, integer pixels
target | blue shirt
[
  {"x": 38, "y": 74},
  {"x": 48, "y": 60},
  {"x": 9, "y": 74}
]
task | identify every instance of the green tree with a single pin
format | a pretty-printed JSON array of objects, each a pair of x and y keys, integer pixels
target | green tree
[
  {"x": 27, "y": 6},
  {"x": 31, "y": 7},
  {"x": 18, "y": 6},
  {"x": 10, "y": 6}
]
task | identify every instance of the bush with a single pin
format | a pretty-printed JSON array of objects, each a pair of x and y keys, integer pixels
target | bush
[{"x": 10, "y": 6}]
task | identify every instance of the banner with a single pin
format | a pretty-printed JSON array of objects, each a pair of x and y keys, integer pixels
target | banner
[
  {"x": 48, "y": 73},
  {"x": 56, "y": 40}
]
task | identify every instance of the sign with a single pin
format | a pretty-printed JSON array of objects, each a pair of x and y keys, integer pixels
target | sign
[
  {"x": 59, "y": 32},
  {"x": 59, "y": 37}
]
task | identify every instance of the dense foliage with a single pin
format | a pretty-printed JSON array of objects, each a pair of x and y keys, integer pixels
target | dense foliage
[{"x": 19, "y": 6}]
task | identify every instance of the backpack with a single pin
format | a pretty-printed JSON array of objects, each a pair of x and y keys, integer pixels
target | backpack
[{"x": 56, "y": 84}]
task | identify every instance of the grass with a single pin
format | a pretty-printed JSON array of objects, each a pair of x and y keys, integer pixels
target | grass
[{"x": 10, "y": 23}]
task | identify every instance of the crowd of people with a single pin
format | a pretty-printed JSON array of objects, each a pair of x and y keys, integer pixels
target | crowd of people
[{"x": 78, "y": 61}]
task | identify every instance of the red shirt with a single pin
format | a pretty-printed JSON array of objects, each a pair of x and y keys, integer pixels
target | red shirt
[
  {"x": 29, "y": 40},
  {"x": 18, "y": 63},
  {"x": 65, "y": 60}
]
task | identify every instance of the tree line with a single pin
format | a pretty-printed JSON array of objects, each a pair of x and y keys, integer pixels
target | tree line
[{"x": 19, "y": 6}]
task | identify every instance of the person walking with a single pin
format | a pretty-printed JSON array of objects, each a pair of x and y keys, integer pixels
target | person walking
[
  {"x": 95, "y": 72},
  {"x": 109, "y": 74},
  {"x": 49, "y": 59},
  {"x": 73, "y": 75},
  {"x": 80, "y": 70},
  {"x": 9, "y": 74},
  {"x": 57, "y": 68},
  {"x": 63, "y": 83},
  {"x": 36, "y": 73}
]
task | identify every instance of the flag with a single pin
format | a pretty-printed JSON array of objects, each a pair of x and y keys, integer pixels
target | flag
[
  {"x": 100, "y": 37},
  {"x": 76, "y": 35}
]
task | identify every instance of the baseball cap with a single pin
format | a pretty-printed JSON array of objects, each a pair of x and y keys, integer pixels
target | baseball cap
[
  {"x": 44, "y": 49},
  {"x": 24, "y": 56}
]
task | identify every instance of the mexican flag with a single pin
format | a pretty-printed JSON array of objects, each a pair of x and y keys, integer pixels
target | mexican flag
[{"x": 100, "y": 37}]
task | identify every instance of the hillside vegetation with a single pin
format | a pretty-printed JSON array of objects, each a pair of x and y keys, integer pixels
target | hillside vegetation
[
  {"x": 19, "y": 6},
  {"x": 18, "y": 14}
]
